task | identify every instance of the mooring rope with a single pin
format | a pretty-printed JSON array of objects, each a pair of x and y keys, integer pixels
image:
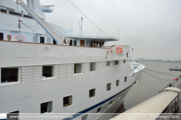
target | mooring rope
[
  {"x": 156, "y": 77},
  {"x": 160, "y": 72}
]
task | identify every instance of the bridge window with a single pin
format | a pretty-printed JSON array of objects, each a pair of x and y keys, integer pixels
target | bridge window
[
  {"x": 47, "y": 71},
  {"x": 92, "y": 67},
  {"x": 67, "y": 101},
  {"x": 125, "y": 79},
  {"x": 42, "y": 40},
  {"x": 15, "y": 13},
  {"x": 92, "y": 93},
  {"x": 117, "y": 83},
  {"x": 46, "y": 107},
  {"x": 116, "y": 62},
  {"x": 108, "y": 86},
  {"x": 108, "y": 63},
  {"x": 77, "y": 68},
  {"x": 9, "y": 75},
  {"x": 27, "y": 16},
  {"x": 1, "y": 36},
  {"x": 3, "y": 10}
]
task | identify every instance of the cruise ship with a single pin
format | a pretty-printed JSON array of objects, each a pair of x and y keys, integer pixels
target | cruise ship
[{"x": 46, "y": 69}]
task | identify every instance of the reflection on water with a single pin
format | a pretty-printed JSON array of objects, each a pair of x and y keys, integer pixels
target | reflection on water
[{"x": 150, "y": 86}]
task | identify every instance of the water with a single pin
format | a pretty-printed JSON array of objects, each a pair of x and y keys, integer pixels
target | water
[{"x": 150, "y": 86}]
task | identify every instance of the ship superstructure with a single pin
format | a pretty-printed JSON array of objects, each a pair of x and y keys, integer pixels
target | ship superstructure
[{"x": 71, "y": 74}]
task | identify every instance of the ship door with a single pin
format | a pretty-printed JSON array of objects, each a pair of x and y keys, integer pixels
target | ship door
[
  {"x": 82, "y": 43},
  {"x": 42, "y": 40},
  {"x": 1, "y": 36}
]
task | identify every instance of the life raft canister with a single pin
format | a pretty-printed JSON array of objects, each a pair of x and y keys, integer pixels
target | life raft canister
[{"x": 119, "y": 50}]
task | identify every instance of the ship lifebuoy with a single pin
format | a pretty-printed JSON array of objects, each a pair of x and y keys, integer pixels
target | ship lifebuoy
[{"x": 119, "y": 50}]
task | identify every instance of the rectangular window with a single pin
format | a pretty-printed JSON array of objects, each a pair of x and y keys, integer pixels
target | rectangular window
[
  {"x": 99, "y": 110},
  {"x": 70, "y": 43},
  {"x": 27, "y": 16},
  {"x": 77, "y": 68},
  {"x": 47, "y": 71},
  {"x": 92, "y": 66},
  {"x": 111, "y": 102},
  {"x": 108, "y": 63},
  {"x": 85, "y": 117},
  {"x": 42, "y": 40},
  {"x": 14, "y": 115},
  {"x": 15, "y": 13},
  {"x": 92, "y": 93},
  {"x": 3, "y": 10},
  {"x": 75, "y": 43},
  {"x": 46, "y": 107},
  {"x": 116, "y": 62},
  {"x": 108, "y": 86},
  {"x": 124, "y": 61},
  {"x": 9, "y": 75},
  {"x": 117, "y": 82},
  {"x": 1, "y": 36},
  {"x": 67, "y": 101},
  {"x": 125, "y": 79}
]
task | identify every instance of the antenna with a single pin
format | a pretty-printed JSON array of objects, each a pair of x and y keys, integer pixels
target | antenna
[{"x": 80, "y": 26}]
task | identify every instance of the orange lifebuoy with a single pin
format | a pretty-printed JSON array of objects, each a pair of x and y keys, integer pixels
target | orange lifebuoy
[{"x": 119, "y": 50}]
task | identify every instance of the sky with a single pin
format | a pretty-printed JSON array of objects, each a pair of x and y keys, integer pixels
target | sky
[{"x": 151, "y": 27}]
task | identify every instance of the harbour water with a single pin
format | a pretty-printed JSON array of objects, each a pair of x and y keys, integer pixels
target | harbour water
[{"x": 150, "y": 86}]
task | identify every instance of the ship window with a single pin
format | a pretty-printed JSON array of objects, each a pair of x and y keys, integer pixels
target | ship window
[
  {"x": 124, "y": 61},
  {"x": 9, "y": 75},
  {"x": 85, "y": 117},
  {"x": 117, "y": 82},
  {"x": 99, "y": 110},
  {"x": 92, "y": 66},
  {"x": 42, "y": 40},
  {"x": 108, "y": 86},
  {"x": 125, "y": 79},
  {"x": 75, "y": 43},
  {"x": 108, "y": 63},
  {"x": 27, "y": 16},
  {"x": 127, "y": 55},
  {"x": 77, "y": 68},
  {"x": 47, "y": 71},
  {"x": 13, "y": 115},
  {"x": 15, "y": 13},
  {"x": 91, "y": 93},
  {"x": 46, "y": 107},
  {"x": 67, "y": 101},
  {"x": 70, "y": 43},
  {"x": 1, "y": 36},
  {"x": 116, "y": 62},
  {"x": 3, "y": 10},
  {"x": 110, "y": 102}
]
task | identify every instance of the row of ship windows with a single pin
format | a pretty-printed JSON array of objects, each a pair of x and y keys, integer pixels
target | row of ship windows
[
  {"x": 46, "y": 107},
  {"x": 12, "y": 12},
  {"x": 11, "y": 75}
]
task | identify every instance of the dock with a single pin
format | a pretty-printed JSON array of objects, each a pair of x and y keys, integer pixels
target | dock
[{"x": 163, "y": 106}]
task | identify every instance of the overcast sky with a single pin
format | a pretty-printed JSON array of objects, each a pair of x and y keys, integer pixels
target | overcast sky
[{"x": 151, "y": 27}]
